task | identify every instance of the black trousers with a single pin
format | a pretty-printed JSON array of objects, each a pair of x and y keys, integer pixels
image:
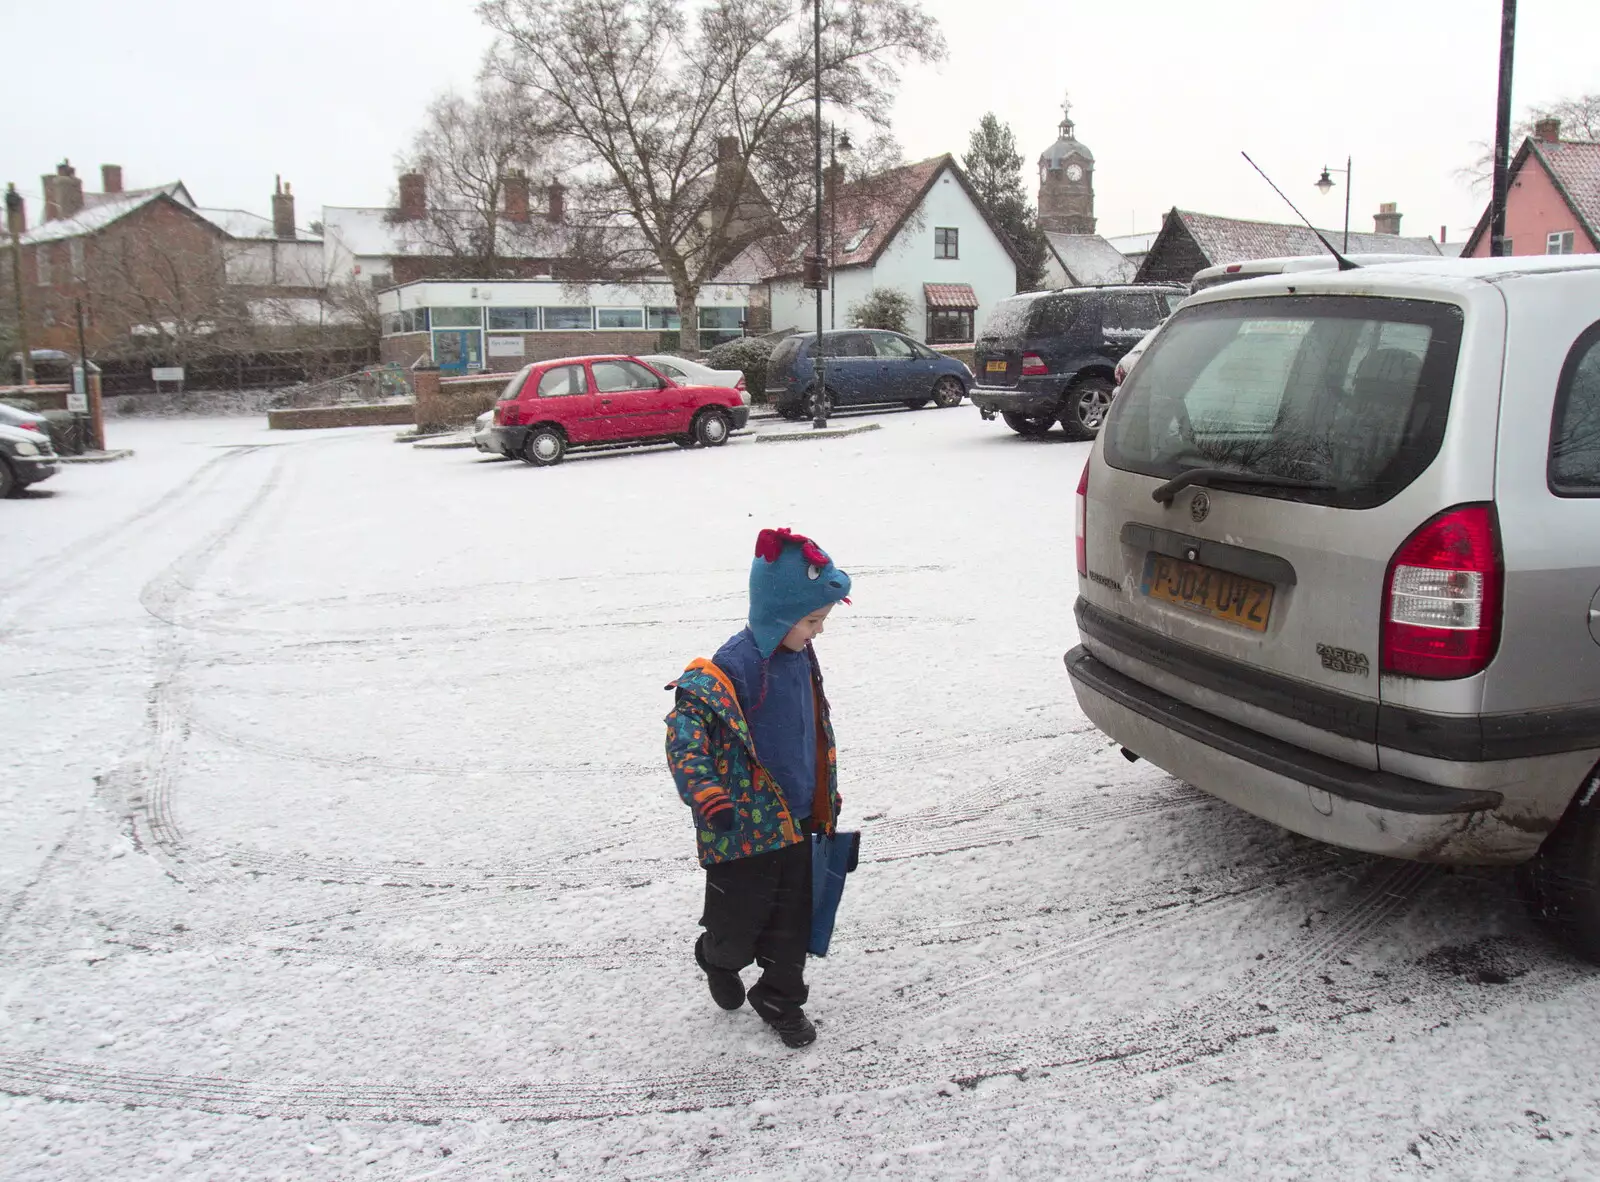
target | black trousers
[{"x": 759, "y": 909}]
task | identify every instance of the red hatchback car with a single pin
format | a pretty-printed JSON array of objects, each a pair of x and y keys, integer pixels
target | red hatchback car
[{"x": 550, "y": 406}]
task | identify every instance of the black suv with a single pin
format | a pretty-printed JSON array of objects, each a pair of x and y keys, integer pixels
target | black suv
[
  {"x": 25, "y": 458},
  {"x": 1051, "y": 356}
]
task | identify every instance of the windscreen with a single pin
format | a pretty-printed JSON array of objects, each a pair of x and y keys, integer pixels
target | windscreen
[{"x": 1351, "y": 392}]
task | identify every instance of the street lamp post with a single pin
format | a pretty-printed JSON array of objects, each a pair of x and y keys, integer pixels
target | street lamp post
[
  {"x": 1325, "y": 182},
  {"x": 841, "y": 144},
  {"x": 819, "y": 397}
]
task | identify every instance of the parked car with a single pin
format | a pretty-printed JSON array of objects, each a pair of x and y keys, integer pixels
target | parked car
[
  {"x": 1338, "y": 554},
  {"x": 551, "y": 406},
  {"x": 28, "y": 420},
  {"x": 26, "y": 457},
  {"x": 1287, "y": 264},
  {"x": 862, "y": 367},
  {"x": 483, "y": 433},
  {"x": 1131, "y": 358},
  {"x": 693, "y": 373},
  {"x": 1050, "y": 356}
]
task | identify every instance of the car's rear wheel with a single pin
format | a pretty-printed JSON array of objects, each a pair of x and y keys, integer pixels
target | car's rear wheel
[
  {"x": 1087, "y": 404},
  {"x": 829, "y": 402},
  {"x": 1031, "y": 425},
  {"x": 685, "y": 441},
  {"x": 8, "y": 479},
  {"x": 1562, "y": 882},
  {"x": 947, "y": 392},
  {"x": 917, "y": 403},
  {"x": 544, "y": 446},
  {"x": 711, "y": 428}
]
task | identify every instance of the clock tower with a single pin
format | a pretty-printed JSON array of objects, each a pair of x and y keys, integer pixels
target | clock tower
[{"x": 1066, "y": 183}]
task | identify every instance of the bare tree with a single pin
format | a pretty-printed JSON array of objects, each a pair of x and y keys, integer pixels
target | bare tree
[
  {"x": 470, "y": 150},
  {"x": 690, "y": 124},
  {"x": 1580, "y": 120}
]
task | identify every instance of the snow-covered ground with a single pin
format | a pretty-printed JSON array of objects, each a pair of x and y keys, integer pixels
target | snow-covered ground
[{"x": 337, "y": 842}]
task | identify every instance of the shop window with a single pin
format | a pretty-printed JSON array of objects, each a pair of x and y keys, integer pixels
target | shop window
[
  {"x": 513, "y": 319},
  {"x": 619, "y": 317},
  {"x": 570, "y": 319},
  {"x": 456, "y": 317}
]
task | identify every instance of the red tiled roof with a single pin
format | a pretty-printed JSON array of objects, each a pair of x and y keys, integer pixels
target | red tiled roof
[{"x": 949, "y": 295}]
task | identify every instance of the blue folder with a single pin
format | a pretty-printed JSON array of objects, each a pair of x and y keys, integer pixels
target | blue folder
[{"x": 831, "y": 859}]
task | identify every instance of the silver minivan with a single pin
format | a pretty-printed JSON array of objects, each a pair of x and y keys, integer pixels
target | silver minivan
[{"x": 1338, "y": 550}]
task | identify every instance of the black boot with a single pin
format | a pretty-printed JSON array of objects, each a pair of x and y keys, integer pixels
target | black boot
[
  {"x": 794, "y": 1028},
  {"x": 727, "y": 990}
]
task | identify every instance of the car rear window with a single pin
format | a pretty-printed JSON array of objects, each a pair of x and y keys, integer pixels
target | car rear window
[
  {"x": 514, "y": 386},
  {"x": 1352, "y": 392},
  {"x": 1575, "y": 438},
  {"x": 785, "y": 353}
]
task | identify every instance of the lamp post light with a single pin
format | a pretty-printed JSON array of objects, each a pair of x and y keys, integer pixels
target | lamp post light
[{"x": 1326, "y": 182}]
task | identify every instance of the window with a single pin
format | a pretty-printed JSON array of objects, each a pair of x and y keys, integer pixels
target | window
[
  {"x": 75, "y": 253},
  {"x": 1575, "y": 432},
  {"x": 406, "y": 320},
  {"x": 1170, "y": 300},
  {"x": 662, "y": 318},
  {"x": 891, "y": 347},
  {"x": 563, "y": 380},
  {"x": 1348, "y": 391},
  {"x": 456, "y": 317},
  {"x": 619, "y": 317},
  {"x": 41, "y": 262},
  {"x": 853, "y": 243},
  {"x": 617, "y": 377},
  {"x": 947, "y": 243},
  {"x": 568, "y": 318},
  {"x": 949, "y": 325},
  {"x": 514, "y": 386},
  {"x": 1132, "y": 312},
  {"x": 672, "y": 371},
  {"x": 720, "y": 324},
  {"x": 513, "y": 319},
  {"x": 846, "y": 344},
  {"x": 1559, "y": 242}
]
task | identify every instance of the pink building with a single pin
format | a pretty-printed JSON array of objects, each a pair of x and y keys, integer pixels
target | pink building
[{"x": 1553, "y": 199}]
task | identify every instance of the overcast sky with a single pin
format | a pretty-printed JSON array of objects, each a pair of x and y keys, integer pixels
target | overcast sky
[{"x": 1165, "y": 92}]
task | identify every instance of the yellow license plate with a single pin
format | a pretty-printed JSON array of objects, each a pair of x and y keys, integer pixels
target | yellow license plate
[
  {"x": 995, "y": 367},
  {"x": 1231, "y": 598}
]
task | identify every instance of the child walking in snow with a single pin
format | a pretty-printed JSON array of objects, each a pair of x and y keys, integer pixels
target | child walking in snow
[{"x": 751, "y": 748}]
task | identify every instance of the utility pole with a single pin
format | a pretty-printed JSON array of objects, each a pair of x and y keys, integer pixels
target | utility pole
[
  {"x": 1502, "y": 131},
  {"x": 819, "y": 394},
  {"x": 14, "y": 212}
]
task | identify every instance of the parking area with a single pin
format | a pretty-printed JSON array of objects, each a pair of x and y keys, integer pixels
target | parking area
[{"x": 341, "y": 844}]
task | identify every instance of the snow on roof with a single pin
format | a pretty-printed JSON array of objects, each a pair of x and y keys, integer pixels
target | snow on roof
[
  {"x": 1233, "y": 240},
  {"x": 1090, "y": 260},
  {"x": 240, "y": 223},
  {"x": 1133, "y": 243},
  {"x": 373, "y": 232},
  {"x": 93, "y": 218}
]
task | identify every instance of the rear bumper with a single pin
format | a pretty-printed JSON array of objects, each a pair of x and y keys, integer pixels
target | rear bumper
[
  {"x": 1321, "y": 797},
  {"x": 508, "y": 441},
  {"x": 1031, "y": 396}
]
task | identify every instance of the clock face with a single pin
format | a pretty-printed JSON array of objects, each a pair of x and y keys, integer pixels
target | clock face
[{"x": 1074, "y": 173}]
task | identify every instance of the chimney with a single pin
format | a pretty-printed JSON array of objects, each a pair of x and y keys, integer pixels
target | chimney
[
  {"x": 832, "y": 178},
  {"x": 727, "y": 148},
  {"x": 413, "y": 197},
  {"x": 1548, "y": 130},
  {"x": 516, "y": 184},
  {"x": 63, "y": 192},
  {"x": 558, "y": 202},
  {"x": 16, "y": 212},
  {"x": 1387, "y": 219},
  {"x": 110, "y": 179},
  {"x": 282, "y": 210},
  {"x": 1443, "y": 235}
]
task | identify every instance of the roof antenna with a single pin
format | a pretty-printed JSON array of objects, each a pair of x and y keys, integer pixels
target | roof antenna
[{"x": 1344, "y": 263}]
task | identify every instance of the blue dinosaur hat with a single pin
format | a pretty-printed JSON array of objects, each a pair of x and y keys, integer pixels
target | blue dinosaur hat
[{"x": 790, "y": 578}]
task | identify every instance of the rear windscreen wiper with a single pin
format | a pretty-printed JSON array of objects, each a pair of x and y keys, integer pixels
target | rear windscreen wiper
[{"x": 1211, "y": 477}]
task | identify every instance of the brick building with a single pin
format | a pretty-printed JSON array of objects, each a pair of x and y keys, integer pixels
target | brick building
[{"x": 158, "y": 277}]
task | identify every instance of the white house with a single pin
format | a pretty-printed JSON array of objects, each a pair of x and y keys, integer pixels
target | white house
[{"x": 918, "y": 230}]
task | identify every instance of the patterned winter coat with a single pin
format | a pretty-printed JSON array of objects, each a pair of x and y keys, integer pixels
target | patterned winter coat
[{"x": 710, "y": 752}]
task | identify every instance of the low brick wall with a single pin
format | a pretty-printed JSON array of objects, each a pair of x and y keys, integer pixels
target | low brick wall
[
  {"x": 383, "y": 414},
  {"x": 453, "y": 402},
  {"x": 961, "y": 353}
]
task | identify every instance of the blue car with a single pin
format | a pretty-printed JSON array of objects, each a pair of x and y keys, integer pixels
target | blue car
[{"x": 862, "y": 367}]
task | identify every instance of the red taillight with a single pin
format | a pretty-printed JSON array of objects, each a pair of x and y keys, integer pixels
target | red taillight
[
  {"x": 1442, "y": 595},
  {"x": 1033, "y": 366},
  {"x": 1081, "y": 521},
  {"x": 505, "y": 414},
  {"x": 739, "y": 385},
  {"x": 1121, "y": 375}
]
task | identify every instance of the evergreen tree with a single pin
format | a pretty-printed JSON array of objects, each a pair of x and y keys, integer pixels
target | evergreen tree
[{"x": 994, "y": 167}]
